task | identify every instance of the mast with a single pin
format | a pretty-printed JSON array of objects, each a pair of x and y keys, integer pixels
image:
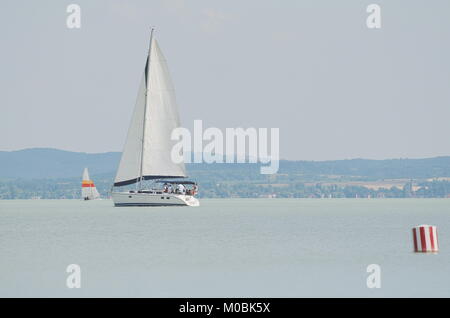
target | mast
[{"x": 147, "y": 84}]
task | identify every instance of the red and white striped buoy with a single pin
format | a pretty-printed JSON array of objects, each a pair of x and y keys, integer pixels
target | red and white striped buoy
[{"x": 425, "y": 239}]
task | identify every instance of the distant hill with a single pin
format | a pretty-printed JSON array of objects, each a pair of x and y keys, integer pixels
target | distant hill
[
  {"x": 373, "y": 169},
  {"x": 56, "y": 174},
  {"x": 39, "y": 163}
]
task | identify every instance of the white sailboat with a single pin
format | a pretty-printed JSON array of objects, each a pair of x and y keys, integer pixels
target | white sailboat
[
  {"x": 147, "y": 151},
  {"x": 88, "y": 189}
]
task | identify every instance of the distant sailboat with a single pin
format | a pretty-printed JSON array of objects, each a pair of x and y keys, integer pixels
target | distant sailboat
[
  {"x": 88, "y": 189},
  {"x": 147, "y": 151}
]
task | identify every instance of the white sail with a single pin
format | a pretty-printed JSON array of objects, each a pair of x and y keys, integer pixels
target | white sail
[
  {"x": 147, "y": 150},
  {"x": 85, "y": 174},
  {"x": 88, "y": 189},
  {"x": 129, "y": 167}
]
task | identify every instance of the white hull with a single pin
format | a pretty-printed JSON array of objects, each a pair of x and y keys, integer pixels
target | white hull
[{"x": 153, "y": 199}]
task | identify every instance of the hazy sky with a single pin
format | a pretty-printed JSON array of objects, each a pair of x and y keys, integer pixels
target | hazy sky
[{"x": 335, "y": 88}]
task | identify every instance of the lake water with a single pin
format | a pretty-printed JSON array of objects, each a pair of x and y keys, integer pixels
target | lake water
[{"x": 225, "y": 248}]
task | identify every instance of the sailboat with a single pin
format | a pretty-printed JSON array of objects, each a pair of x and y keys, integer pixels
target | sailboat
[
  {"x": 88, "y": 189},
  {"x": 147, "y": 150}
]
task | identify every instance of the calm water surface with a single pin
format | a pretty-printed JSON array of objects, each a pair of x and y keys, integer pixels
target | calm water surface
[{"x": 229, "y": 247}]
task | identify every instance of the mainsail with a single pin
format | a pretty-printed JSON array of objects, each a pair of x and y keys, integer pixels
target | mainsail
[
  {"x": 88, "y": 189},
  {"x": 147, "y": 151}
]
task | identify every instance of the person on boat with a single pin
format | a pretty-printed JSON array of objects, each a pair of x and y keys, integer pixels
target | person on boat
[
  {"x": 194, "y": 189},
  {"x": 181, "y": 189},
  {"x": 165, "y": 188},
  {"x": 170, "y": 188}
]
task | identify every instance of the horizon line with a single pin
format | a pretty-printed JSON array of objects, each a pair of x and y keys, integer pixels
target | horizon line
[{"x": 356, "y": 158}]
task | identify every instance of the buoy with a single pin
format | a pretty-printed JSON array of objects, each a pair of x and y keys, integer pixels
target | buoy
[{"x": 425, "y": 239}]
